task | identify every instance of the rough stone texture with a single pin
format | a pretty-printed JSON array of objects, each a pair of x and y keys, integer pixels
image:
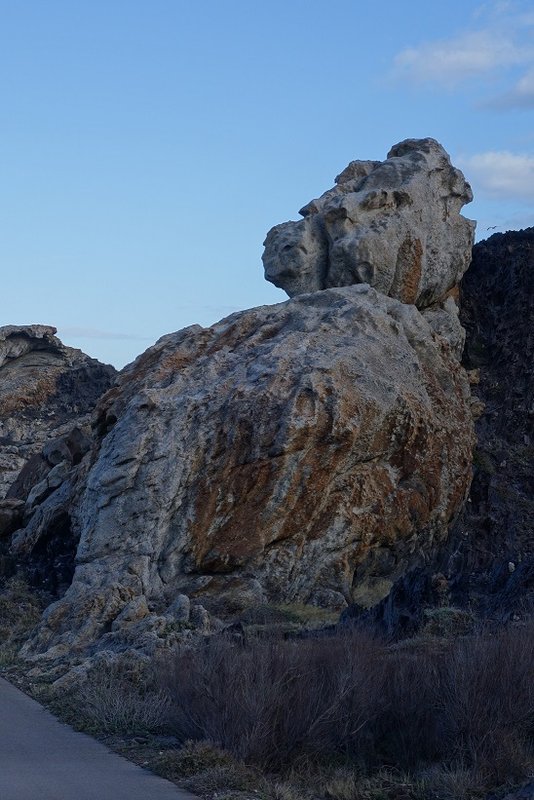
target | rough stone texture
[
  {"x": 297, "y": 452},
  {"x": 394, "y": 224},
  {"x": 488, "y": 561},
  {"x": 497, "y": 301},
  {"x": 45, "y": 388}
]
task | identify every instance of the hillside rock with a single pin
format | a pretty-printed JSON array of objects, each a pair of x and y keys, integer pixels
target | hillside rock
[
  {"x": 45, "y": 388},
  {"x": 497, "y": 301},
  {"x": 394, "y": 224},
  {"x": 488, "y": 561},
  {"x": 306, "y": 451},
  {"x": 47, "y": 393}
]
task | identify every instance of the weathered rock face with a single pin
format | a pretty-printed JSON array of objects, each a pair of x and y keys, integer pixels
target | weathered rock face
[
  {"x": 44, "y": 388},
  {"x": 497, "y": 299},
  {"x": 47, "y": 392},
  {"x": 488, "y": 561},
  {"x": 394, "y": 224},
  {"x": 304, "y": 451}
]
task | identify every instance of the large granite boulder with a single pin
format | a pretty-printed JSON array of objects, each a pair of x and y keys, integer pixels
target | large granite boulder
[
  {"x": 306, "y": 451},
  {"x": 45, "y": 388},
  {"x": 394, "y": 224}
]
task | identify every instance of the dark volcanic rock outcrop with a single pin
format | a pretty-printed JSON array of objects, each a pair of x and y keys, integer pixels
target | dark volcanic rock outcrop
[
  {"x": 497, "y": 301},
  {"x": 309, "y": 451}
]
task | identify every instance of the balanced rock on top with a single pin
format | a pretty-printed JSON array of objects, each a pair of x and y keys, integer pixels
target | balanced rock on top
[{"x": 395, "y": 225}]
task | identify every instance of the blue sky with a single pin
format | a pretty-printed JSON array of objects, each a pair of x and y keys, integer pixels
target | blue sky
[{"x": 147, "y": 147}]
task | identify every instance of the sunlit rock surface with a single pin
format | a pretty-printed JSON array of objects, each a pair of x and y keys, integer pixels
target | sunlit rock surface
[{"x": 394, "y": 224}]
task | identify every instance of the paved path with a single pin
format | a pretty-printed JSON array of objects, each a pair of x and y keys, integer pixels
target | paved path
[{"x": 42, "y": 759}]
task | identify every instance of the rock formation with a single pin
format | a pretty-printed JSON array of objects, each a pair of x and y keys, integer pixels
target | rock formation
[
  {"x": 308, "y": 451},
  {"x": 393, "y": 224},
  {"x": 488, "y": 561},
  {"x": 45, "y": 390},
  {"x": 501, "y": 348},
  {"x": 495, "y": 566}
]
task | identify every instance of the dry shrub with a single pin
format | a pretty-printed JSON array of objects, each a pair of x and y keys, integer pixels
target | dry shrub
[
  {"x": 110, "y": 701},
  {"x": 383, "y": 785},
  {"x": 342, "y": 785},
  {"x": 487, "y": 701},
  {"x": 195, "y": 757},
  {"x": 285, "y": 790},
  {"x": 447, "y": 621},
  {"x": 449, "y": 783},
  {"x": 464, "y": 704},
  {"x": 407, "y": 730},
  {"x": 204, "y": 768},
  {"x": 20, "y": 611},
  {"x": 232, "y": 777},
  {"x": 272, "y": 700}
]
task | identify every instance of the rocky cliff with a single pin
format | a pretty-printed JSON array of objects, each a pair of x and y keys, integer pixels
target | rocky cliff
[
  {"x": 309, "y": 451},
  {"x": 487, "y": 565},
  {"x": 497, "y": 299},
  {"x": 44, "y": 388},
  {"x": 47, "y": 394}
]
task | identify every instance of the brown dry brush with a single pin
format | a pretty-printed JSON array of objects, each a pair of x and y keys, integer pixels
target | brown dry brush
[
  {"x": 487, "y": 701},
  {"x": 270, "y": 700},
  {"x": 467, "y": 702}
]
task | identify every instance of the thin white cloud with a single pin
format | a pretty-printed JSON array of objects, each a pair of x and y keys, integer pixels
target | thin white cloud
[
  {"x": 450, "y": 62},
  {"x": 496, "y": 9},
  {"x": 500, "y": 174},
  {"x": 498, "y": 46},
  {"x": 520, "y": 96}
]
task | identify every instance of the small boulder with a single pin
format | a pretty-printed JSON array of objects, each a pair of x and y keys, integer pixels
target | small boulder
[{"x": 180, "y": 608}]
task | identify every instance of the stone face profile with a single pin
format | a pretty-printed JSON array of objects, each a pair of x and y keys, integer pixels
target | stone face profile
[{"x": 395, "y": 225}]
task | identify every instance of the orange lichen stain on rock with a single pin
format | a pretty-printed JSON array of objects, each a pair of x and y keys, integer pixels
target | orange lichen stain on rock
[
  {"x": 455, "y": 294},
  {"x": 172, "y": 363},
  {"x": 408, "y": 270},
  {"x": 263, "y": 495},
  {"x": 226, "y": 531},
  {"x": 30, "y": 395},
  {"x": 235, "y": 481}
]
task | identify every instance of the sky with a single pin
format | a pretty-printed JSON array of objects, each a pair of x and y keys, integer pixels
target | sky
[{"x": 148, "y": 147}]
